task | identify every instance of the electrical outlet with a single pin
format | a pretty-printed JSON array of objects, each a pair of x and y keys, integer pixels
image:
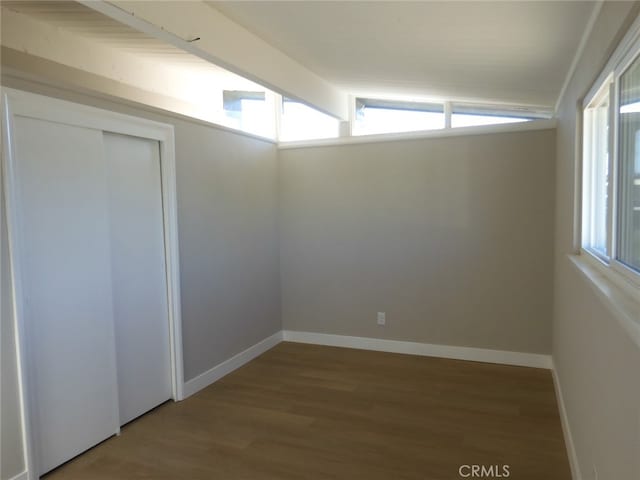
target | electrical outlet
[{"x": 382, "y": 318}]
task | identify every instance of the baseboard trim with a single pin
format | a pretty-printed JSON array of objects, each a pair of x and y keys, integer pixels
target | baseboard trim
[
  {"x": 424, "y": 349},
  {"x": 576, "y": 474},
  {"x": 21, "y": 476},
  {"x": 205, "y": 379},
  {"x": 216, "y": 373}
]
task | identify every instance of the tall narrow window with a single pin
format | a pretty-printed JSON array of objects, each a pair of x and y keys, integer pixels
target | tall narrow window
[
  {"x": 629, "y": 165},
  {"x": 596, "y": 183}
]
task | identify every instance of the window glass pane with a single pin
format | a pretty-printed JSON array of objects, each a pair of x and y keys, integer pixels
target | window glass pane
[
  {"x": 629, "y": 158},
  {"x": 596, "y": 174},
  {"x": 301, "y": 122},
  {"x": 248, "y": 111},
  {"x": 471, "y": 120},
  {"x": 379, "y": 116},
  {"x": 469, "y": 115}
]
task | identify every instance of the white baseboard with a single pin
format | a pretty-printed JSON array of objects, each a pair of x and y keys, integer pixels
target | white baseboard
[
  {"x": 395, "y": 346},
  {"x": 424, "y": 349},
  {"x": 216, "y": 373},
  {"x": 576, "y": 474},
  {"x": 21, "y": 476}
]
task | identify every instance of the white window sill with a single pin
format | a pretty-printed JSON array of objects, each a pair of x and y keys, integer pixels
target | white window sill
[
  {"x": 441, "y": 133},
  {"x": 621, "y": 297}
]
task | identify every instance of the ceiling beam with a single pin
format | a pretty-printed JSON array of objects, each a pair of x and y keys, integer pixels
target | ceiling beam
[
  {"x": 25, "y": 34},
  {"x": 227, "y": 44},
  {"x": 141, "y": 80}
]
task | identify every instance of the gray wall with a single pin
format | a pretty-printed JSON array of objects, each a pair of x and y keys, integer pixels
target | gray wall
[
  {"x": 227, "y": 215},
  {"x": 228, "y": 234},
  {"x": 596, "y": 361},
  {"x": 451, "y": 237}
]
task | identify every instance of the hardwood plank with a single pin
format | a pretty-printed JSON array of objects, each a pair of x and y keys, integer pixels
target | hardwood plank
[{"x": 312, "y": 412}]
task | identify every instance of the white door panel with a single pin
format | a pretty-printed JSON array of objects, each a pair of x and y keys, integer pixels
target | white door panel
[
  {"x": 139, "y": 275},
  {"x": 66, "y": 263}
]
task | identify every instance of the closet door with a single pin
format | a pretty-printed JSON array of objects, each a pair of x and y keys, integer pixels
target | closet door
[
  {"x": 63, "y": 217},
  {"x": 139, "y": 275}
]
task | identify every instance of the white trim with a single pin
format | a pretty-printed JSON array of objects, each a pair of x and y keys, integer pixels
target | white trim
[
  {"x": 534, "y": 360},
  {"x": 31, "y": 105},
  {"x": 627, "y": 273},
  {"x": 352, "y": 114},
  {"x": 375, "y": 344},
  {"x": 19, "y": 103},
  {"x": 588, "y": 155},
  {"x": 577, "y": 180},
  {"x": 546, "y": 124},
  {"x": 619, "y": 295},
  {"x": 152, "y": 107},
  {"x": 216, "y": 373},
  {"x": 285, "y": 78},
  {"x": 13, "y": 224},
  {"x": 212, "y": 375},
  {"x": 614, "y": 282},
  {"x": 579, "y": 51},
  {"x": 448, "y": 111},
  {"x": 566, "y": 428},
  {"x": 21, "y": 476},
  {"x": 172, "y": 260},
  {"x": 621, "y": 53}
]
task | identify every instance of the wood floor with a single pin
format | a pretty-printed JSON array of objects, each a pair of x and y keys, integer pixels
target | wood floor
[{"x": 309, "y": 412}]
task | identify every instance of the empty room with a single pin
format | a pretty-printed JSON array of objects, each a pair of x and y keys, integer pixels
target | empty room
[{"x": 264, "y": 240}]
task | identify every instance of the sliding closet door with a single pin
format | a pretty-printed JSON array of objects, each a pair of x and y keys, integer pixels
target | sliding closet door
[
  {"x": 63, "y": 217},
  {"x": 139, "y": 275}
]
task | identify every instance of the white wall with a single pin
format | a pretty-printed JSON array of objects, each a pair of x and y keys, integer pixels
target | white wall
[
  {"x": 451, "y": 237},
  {"x": 596, "y": 362}
]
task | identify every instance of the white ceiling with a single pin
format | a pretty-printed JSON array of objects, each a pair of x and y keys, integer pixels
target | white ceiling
[
  {"x": 500, "y": 51},
  {"x": 87, "y": 23},
  {"x": 505, "y": 52}
]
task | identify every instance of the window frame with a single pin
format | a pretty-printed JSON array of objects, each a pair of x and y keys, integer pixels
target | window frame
[
  {"x": 619, "y": 267},
  {"x": 448, "y": 108},
  {"x": 605, "y": 89},
  {"x": 518, "y": 114},
  {"x": 623, "y": 56},
  {"x": 241, "y": 123},
  {"x": 362, "y": 103}
]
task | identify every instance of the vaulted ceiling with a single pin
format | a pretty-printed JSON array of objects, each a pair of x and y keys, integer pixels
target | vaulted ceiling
[
  {"x": 92, "y": 25},
  {"x": 503, "y": 52},
  {"x": 513, "y": 52}
]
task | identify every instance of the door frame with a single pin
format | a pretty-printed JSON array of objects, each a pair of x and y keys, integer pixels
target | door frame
[{"x": 17, "y": 103}]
